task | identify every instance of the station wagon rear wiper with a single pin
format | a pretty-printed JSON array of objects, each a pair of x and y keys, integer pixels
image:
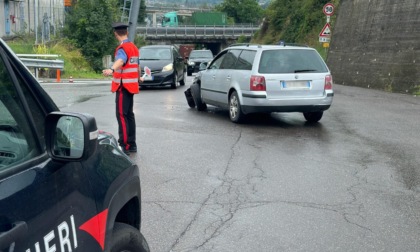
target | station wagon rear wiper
[{"x": 305, "y": 70}]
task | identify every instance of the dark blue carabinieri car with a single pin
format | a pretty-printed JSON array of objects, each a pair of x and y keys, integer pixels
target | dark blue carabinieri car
[{"x": 64, "y": 185}]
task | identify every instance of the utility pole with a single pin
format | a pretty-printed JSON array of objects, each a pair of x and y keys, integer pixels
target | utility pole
[
  {"x": 132, "y": 23},
  {"x": 36, "y": 20}
]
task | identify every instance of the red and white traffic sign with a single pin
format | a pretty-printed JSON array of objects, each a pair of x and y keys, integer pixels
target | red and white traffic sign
[
  {"x": 328, "y": 9},
  {"x": 326, "y": 31}
]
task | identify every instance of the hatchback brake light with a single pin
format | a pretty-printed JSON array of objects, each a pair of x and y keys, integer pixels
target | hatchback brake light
[
  {"x": 257, "y": 83},
  {"x": 328, "y": 82}
]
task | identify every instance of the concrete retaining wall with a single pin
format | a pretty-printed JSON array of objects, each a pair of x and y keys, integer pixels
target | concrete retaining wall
[{"x": 376, "y": 44}]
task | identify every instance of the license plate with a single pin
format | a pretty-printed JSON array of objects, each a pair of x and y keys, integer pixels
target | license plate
[
  {"x": 295, "y": 84},
  {"x": 148, "y": 78}
]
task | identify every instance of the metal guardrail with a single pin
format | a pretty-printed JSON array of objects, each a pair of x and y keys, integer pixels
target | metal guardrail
[
  {"x": 40, "y": 63},
  {"x": 201, "y": 32},
  {"x": 31, "y": 60},
  {"x": 39, "y": 55}
]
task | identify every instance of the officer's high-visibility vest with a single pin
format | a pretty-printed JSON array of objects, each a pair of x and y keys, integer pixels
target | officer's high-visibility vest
[{"x": 128, "y": 74}]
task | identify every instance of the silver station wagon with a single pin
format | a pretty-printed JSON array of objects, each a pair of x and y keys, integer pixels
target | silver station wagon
[{"x": 264, "y": 78}]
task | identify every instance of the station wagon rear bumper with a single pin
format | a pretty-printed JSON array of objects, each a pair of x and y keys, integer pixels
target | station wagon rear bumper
[
  {"x": 305, "y": 108},
  {"x": 258, "y": 103}
]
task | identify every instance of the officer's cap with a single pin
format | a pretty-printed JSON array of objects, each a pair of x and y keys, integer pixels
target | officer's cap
[{"x": 119, "y": 26}]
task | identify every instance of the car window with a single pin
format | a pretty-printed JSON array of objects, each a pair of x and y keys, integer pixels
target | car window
[
  {"x": 230, "y": 59},
  {"x": 17, "y": 138},
  {"x": 218, "y": 61},
  {"x": 201, "y": 54},
  {"x": 291, "y": 61},
  {"x": 245, "y": 60},
  {"x": 36, "y": 111},
  {"x": 155, "y": 54}
]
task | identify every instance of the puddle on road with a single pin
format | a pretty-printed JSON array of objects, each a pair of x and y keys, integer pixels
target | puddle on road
[{"x": 82, "y": 99}]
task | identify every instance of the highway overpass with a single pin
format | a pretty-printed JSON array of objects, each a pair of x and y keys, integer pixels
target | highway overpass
[{"x": 214, "y": 37}]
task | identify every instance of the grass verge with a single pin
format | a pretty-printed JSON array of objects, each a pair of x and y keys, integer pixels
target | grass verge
[{"x": 74, "y": 63}]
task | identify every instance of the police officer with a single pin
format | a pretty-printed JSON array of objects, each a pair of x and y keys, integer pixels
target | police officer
[{"x": 126, "y": 76}]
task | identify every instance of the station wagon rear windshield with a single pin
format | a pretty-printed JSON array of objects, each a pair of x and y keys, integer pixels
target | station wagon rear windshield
[{"x": 291, "y": 61}]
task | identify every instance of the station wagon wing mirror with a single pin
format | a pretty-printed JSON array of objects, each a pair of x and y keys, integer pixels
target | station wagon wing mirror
[
  {"x": 70, "y": 136},
  {"x": 203, "y": 66}
]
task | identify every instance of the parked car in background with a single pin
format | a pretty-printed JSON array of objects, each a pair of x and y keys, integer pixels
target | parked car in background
[
  {"x": 166, "y": 65},
  {"x": 265, "y": 78},
  {"x": 65, "y": 185},
  {"x": 195, "y": 58}
]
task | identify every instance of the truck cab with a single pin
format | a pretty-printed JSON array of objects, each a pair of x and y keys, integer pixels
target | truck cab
[{"x": 170, "y": 19}]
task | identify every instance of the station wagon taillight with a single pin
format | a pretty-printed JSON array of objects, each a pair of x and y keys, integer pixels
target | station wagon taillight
[
  {"x": 257, "y": 83},
  {"x": 328, "y": 82}
]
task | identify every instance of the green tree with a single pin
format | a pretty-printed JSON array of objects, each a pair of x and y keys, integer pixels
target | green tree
[
  {"x": 88, "y": 26},
  {"x": 242, "y": 11}
]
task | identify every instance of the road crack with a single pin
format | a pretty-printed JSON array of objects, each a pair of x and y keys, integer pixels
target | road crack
[{"x": 224, "y": 202}]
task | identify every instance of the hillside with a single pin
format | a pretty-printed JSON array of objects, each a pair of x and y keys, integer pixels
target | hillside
[{"x": 294, "y": 22}]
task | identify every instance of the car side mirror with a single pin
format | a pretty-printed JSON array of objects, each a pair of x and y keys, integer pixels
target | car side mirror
[
  {"x": 203, "y": 66},
  {"x": 70, "y": 136}
]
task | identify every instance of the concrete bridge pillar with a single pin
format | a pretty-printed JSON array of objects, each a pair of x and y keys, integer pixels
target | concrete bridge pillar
[{"x": 154, "y": 19}]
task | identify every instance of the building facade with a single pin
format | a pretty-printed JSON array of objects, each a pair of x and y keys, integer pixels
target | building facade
[{"x": 40, "y": 17}]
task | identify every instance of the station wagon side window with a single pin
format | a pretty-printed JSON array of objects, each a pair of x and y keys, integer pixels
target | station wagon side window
[
  {"x": 218, "y": 61},
  {"x": 245, "y": 60},
  {"x": 230, "y": 59},
  {"x": 18, "y": 141}
]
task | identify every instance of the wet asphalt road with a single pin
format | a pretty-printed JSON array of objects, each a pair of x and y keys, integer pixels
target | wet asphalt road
[{"x": 274, "y": 183}]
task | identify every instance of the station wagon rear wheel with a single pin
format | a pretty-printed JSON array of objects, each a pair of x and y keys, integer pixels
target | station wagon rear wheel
[
  {"x": 313, "y": 117},
  {"x": 235, "y": 112}
]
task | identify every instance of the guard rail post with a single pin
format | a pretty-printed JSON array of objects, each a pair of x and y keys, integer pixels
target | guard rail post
[{"x": 58, "y": 77}]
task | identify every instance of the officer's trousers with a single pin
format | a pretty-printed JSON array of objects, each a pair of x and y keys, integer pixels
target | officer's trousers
[{"x": 125, "y": 118}]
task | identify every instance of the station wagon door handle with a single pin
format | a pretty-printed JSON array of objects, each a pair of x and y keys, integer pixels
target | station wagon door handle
[
  {"x": 228, "y": 78},
  {"x": 18, "y": 231}
]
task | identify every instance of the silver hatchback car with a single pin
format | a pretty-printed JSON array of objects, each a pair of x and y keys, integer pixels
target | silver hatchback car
[{"x": 264, "y": 78}]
